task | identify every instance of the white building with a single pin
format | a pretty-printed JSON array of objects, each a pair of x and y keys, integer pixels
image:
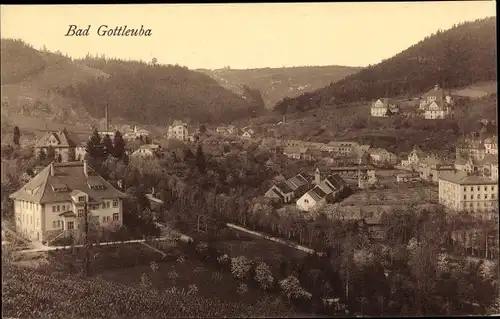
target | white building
[
  {"x": 178, "y": 130},
  {"x": 436, "y": 104},
  {"x": 147, "y": 151},
  {"x": 383, "y": 107},
  {"x": 53, "y": 201},
  {"x": 317, "y": 196}
]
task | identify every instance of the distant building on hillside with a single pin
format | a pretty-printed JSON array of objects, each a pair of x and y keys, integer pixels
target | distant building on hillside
[
  {"x": 62, "y": 144},
  {"x": 136, "y": 133},
  {"x": 384, "y": 107},
  {"x": 436, "y": 104},
  {"x": 147, "y": 151},
  {"x": 178, "y": 130}
]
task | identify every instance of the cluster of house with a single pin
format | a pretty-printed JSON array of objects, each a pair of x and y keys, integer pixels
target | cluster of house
[
  {"x": 309, "y": 195},
  {"x": 468, "y": 184},
  {"x": 333, "y": 150},
  {"x": 435, "y": 104},
  {"x": 53, "y": 202},
  {"x": 231, "y": 130}
]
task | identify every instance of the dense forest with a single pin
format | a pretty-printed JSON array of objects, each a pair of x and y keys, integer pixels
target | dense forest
[
  {"x": 155, "y": 94},
  {"x": 19, "y": 60},
  {"x": 460, "y": 56}
]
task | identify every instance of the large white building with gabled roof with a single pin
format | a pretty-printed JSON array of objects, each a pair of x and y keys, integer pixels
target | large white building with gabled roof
[{"x": 53, "y": 201}]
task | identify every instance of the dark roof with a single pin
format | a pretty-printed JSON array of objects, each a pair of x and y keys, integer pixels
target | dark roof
[
  {"x": 296, "y": 182},
  {"x": 336, "y": 181},
  {"x": 277, "y": 193},
  {"x": 40, "y": 189},
  {"x": 284, "y": 187},
  {"x": 317, "y": 193},
  {"x": 63, "y": 138}
]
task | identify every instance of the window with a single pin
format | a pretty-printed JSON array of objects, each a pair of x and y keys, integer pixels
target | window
[
  {"x": 472, "y": 188},
  {"x": 485, "y": 196},
  {"x": 306, "y": 201},
  {"x": 81, "y": 199},
  {"x": 80, "y": 213},
  {"x": 108, "y": 204},
  {"x": 54, "y": 225},
  {"x": 465, "y": 197},
  {"x": 115, "y": 216},
  {"x": 471, "y": 196},
  {"x": 478, "y": 188},
  {"x": 58, "y": 224},
  {"x": 63, "y": 208},
  {"x": 38, "y": 221},
  {"x": 485, "y": 188},
  {"x": 53, "y": 209},
  {"x": 115, "y": 203},
  {"x": 71, "y": 225},
  {"x": 492, "y": 188},
  {"x": 103, "y": 205},
  {"x": 58, "y": 208}
]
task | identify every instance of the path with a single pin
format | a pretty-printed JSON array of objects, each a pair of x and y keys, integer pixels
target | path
[
  {"x": 155, "y": 249},
  {"x": 277, "y": 240}
]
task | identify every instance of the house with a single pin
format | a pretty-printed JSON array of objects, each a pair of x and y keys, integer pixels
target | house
[
  {"x": 436, "y": 104},
  {"x": 414, "y": 158},
  {"x": 53, "y": 201},
  {"x": 148, "y": 151},
  {"x": 461, "y": 191},
  {"x": 488, "y": 166},
  {"x": 136, "y": 133},
  {"x": 383, "y": 107},
  {"x": 248, "y": 129},
  {"x": 407, "y": 177},
  {"x": 491, "y": 145},
  {"x": 282, "y": 191},
  {"x": 62, "y": 144},
  {"x": 178, "y": 130},
  {"x": 81, "y": 151},
  {"x": 430, "y": 168},
  {"x": 315, "y": 198},
  {"x": 222, "y": 130},
  {"x": 298, "y": 184},
  {"x": 231, "y": 129},
  {"x": 381, "y": 156},
  {"x": 344, "y": 149},
  {"x": 247, "y": 135},
  {"x": 297, "y": 152},
  {"x": 477, "y": 146}
]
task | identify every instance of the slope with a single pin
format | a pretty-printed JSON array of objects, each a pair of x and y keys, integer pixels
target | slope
[
  {"x": 29, "y": 77},
  {"x": 277, "y": 83},
  {"x": 458, "y": 57}
]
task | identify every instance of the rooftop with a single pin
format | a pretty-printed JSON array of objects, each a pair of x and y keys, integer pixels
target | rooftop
[
  {"x": 62, "y": 138},
  {"x": 47, "y": 188},
  {"x": 462, "y": 178}
]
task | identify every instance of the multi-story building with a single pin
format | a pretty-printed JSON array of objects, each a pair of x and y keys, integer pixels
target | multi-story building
[
  {"x": 414, "y": 159},
  {"x": 62, "y": 144},
  {"x": 464, "y": 192},
  {"x": 381, "y": 156},
  {"x": 340, "y": 148},
  {"x": 436, "y": 104},
  {"x": 136, "y": 133},
  {"x": 383, "y": 107},
  {"x": 147, "y": 151},
  {"x": 178, "y": 130},
  {"x": 53, "y": 201}
]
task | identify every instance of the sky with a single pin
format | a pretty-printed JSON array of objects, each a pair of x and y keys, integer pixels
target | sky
[{"x": 242, "y": 36}]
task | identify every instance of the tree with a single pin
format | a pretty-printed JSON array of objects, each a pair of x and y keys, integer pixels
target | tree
[
  {"x": 200, "y": 160},
  {"x": 292, "y": 289},
  {"x": 107, "y": 146},
  {"x": 17, "y": 135},
  {"x": 240, "y": 267},
  {"x": 118, "y": 145},
  {"x": 264, "y": 276},
  {"x": 154, "y": 61},
  {"x": 94, "y": 149}
]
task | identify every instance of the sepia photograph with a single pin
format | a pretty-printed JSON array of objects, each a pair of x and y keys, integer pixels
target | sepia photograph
[{"x": 249, "y": 160}]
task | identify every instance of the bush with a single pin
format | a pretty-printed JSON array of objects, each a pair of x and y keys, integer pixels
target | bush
[{"x": 240, "y": 267}]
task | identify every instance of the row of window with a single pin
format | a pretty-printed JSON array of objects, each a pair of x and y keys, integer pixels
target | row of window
[
  {"x": 106, "y": 204},
  {"x": 56, "y": 224},
  {"x": 478, "y": 188},
  {"x": 478, "y": 196},
  {"x": 28, "y": 219}
]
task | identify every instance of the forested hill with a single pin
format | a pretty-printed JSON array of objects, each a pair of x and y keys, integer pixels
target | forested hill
[
  {"x": 156, "y": 94},
  {"x": 277, "y": 83},
  {"x": 53, "y": 87},
  {"x": 460, "y": 56}
]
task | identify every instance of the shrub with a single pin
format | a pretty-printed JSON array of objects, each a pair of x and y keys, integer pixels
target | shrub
[
  {"x": 240, "y": 267},
  {"x": 292, "y": 289},
  {"x": 242, "y": 289},
  {"x": 263, "y": 276}
]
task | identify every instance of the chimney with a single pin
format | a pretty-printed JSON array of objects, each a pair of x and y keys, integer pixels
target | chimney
[
  {"x": 52, "y": 172},
  {"x": 106, "y": 118},
  {"x": 85, "y": 168},
  {"x": 317, "y": 176}
]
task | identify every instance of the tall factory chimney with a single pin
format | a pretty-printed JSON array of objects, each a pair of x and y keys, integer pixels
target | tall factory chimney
[{"x": 106, "y": 118}]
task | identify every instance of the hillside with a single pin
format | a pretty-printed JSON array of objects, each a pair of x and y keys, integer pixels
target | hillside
[
  {"x": 277, "y": 83},
  {"x": 55, "y": 88},
  {"x": 458, "y": 57},
  {"x": 27, "y": 77}
]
